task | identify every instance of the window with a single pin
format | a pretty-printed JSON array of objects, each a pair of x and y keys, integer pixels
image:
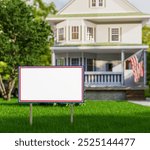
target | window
[
  {"x": 109, "y": 67},
  {"x": 115, "y": 35},
  {"x": 60, "y": 62},
  {"x": 75, "y": 33},
  {"x": 93, "y": 3},
  {"x": 90, "y": 33},
  {"x": 61, "y": 34},
  {"x": 101, "y": 3},
  {"x": 75, "y": 62}
]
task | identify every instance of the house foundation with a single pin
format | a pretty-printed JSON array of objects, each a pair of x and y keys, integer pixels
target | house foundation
[{"x": 107, "y": 93}]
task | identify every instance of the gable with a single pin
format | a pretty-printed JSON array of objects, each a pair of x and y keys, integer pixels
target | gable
[{"x": 109, "y": 6}]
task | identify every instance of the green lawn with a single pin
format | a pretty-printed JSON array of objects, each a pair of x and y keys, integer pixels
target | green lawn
[{"x": 93, "y": 116}]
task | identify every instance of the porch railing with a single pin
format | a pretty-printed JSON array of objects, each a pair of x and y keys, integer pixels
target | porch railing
[{"x": 100, "y": 79}]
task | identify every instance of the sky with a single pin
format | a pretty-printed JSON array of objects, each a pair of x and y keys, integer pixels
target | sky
[{"x": 143, "y": 5}]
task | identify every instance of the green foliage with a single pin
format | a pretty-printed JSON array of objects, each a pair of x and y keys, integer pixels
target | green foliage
[
  {"x": 42, "y": 10},
  {"x": 146, "y": 40},
  {"x": 24, "y": 40}
]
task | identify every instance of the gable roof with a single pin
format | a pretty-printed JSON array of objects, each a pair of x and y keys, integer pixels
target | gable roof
[{"x": 125, "y": 1}]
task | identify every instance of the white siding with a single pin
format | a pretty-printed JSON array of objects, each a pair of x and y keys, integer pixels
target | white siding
[
  {"x": 112, "y": 6},
  {"x": 131, "y": 33}
]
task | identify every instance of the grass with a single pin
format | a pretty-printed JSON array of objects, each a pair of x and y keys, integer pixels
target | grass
[{"x": 92, "y": 117}]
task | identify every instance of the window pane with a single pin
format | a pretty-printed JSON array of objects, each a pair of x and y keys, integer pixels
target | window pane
[
  {"x": 101, "y": 2},
  {"x": 61, "y": 34},
  {"x": 75, "y": 32},
  {"x": 90, "y": 33},
  {"x": 93, "y": 3},
  {"x": 115, "y": 34},
  {"x": 75, "y": 61}
]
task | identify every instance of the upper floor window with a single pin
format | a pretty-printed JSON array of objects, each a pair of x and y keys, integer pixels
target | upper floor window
[
  {"x": 93, "y": 3},
  {"x": 90, "y": 33},
  {"x": 61, "y": 34},
  {"x": 75, "y": 33},
  {"x": 101, "y": 3},
  {"x": 115, "y": 35},
  {"x": 97, "y": 3}
]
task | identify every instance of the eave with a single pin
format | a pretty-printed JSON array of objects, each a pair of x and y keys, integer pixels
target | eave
[
  {"x": 100, "y": 49},
  {"x": 102, "y": 18}
]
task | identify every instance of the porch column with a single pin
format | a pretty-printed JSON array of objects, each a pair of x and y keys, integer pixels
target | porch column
[
  {"x": 53, "y": 59},
  {"x": 122, "y": 62},
  {"x": 82, "y": 58},
  {"x": 145, "y": 67},
  {"x": 67, "y": 59}
]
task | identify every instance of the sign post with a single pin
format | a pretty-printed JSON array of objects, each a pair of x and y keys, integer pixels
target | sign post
[
  {"x": 31, "y": 117},
  {"x": 72, "y": 113},
  {"x": 51, "y": 85}
]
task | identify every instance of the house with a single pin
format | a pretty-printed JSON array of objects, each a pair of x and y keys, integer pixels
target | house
[{"x": 104, "y": 36}]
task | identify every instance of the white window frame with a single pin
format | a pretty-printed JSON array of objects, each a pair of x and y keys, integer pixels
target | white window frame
[
  {"x": 90, "y": 36},
  {"x": 61, "y": 34},
  {"x": 97, "y": 3},
  {"x": 115, "y": 34},
  {"x": 101, "y": 3},
  {"x": 93, "y": 2},
  {"x": 75, "y": 31}
]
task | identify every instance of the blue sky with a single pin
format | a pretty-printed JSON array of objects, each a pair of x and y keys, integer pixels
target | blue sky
[{"x": 143, "y": 5}]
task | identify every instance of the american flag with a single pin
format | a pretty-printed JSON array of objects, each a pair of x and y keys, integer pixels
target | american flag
[{"x": 137, "y": 65}]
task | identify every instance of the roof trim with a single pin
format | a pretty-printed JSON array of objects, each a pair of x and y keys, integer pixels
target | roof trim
[
  {"x": 131, "y": 5},
  {"x": 125, "y": 1},
  {"x": 67, "y": 5}
]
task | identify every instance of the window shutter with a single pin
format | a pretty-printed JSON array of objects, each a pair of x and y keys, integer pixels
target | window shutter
[
  {"x": 89, "y": 3},
  {"x": 65, "y": 33},
  {"x": 69, "y": 33},
  {"x": 120, "y": 34},
  {"x": 104, "y": 1},
  {"x": 109, "y": 35},
  {"x": 95, "y": 34},
  {"x": 81, "y": 33}
]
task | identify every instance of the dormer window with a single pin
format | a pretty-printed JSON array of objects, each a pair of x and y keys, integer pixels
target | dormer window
[{"x": 93, "y": 3}]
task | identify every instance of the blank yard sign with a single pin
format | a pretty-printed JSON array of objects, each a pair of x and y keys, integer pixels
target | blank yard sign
[{"x": 51, "y": 84}]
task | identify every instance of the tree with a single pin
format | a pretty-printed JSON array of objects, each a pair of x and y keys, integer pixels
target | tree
[
  {"x": 42, "y": 10},
  {"x": 146, "y": 40},
  {"x": 23, "y": 42}
]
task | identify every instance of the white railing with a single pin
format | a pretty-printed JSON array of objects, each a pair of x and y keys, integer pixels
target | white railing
[{"x": 101, "y": 79}]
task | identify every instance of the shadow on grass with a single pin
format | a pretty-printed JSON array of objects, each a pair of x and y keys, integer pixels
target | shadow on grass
[{"x": 82, "y": 124}]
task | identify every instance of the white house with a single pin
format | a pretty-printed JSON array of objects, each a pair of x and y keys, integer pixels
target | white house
[{"x": 101, "y": 35}]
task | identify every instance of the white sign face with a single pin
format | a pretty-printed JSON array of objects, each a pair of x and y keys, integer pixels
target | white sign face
[{"x": 50, "y": 84}]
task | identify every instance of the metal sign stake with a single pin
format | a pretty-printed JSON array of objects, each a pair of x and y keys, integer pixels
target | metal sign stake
[
  {"x": 72, "y": 112},
  {"x": 31, "y": 118}
]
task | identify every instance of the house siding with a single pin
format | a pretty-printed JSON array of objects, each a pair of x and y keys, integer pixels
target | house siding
[
  {"x": 111, "y": 6},
  {"x": 131, "y": 33}
]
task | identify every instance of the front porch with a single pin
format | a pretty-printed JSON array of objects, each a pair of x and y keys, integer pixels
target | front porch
[{"x": 105, "y": 66}]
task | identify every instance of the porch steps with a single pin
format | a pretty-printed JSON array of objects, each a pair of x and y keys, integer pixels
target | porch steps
[{"x": 135, "y": 95}]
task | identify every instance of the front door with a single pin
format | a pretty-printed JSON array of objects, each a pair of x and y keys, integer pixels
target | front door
[{"x": 90, "y": 65}]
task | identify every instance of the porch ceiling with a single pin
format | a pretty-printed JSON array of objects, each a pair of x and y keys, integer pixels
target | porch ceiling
[{"x": 99, "y": 49}]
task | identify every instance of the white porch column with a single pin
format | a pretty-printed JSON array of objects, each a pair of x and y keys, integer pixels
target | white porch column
[
  {"x": 123, "y": 66},
  {"x": 53, "y": 59},
  {"x": 145, "y": 67},
  {"x": 82, "y": 58},
  {"x": 67, "y": 59}
]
